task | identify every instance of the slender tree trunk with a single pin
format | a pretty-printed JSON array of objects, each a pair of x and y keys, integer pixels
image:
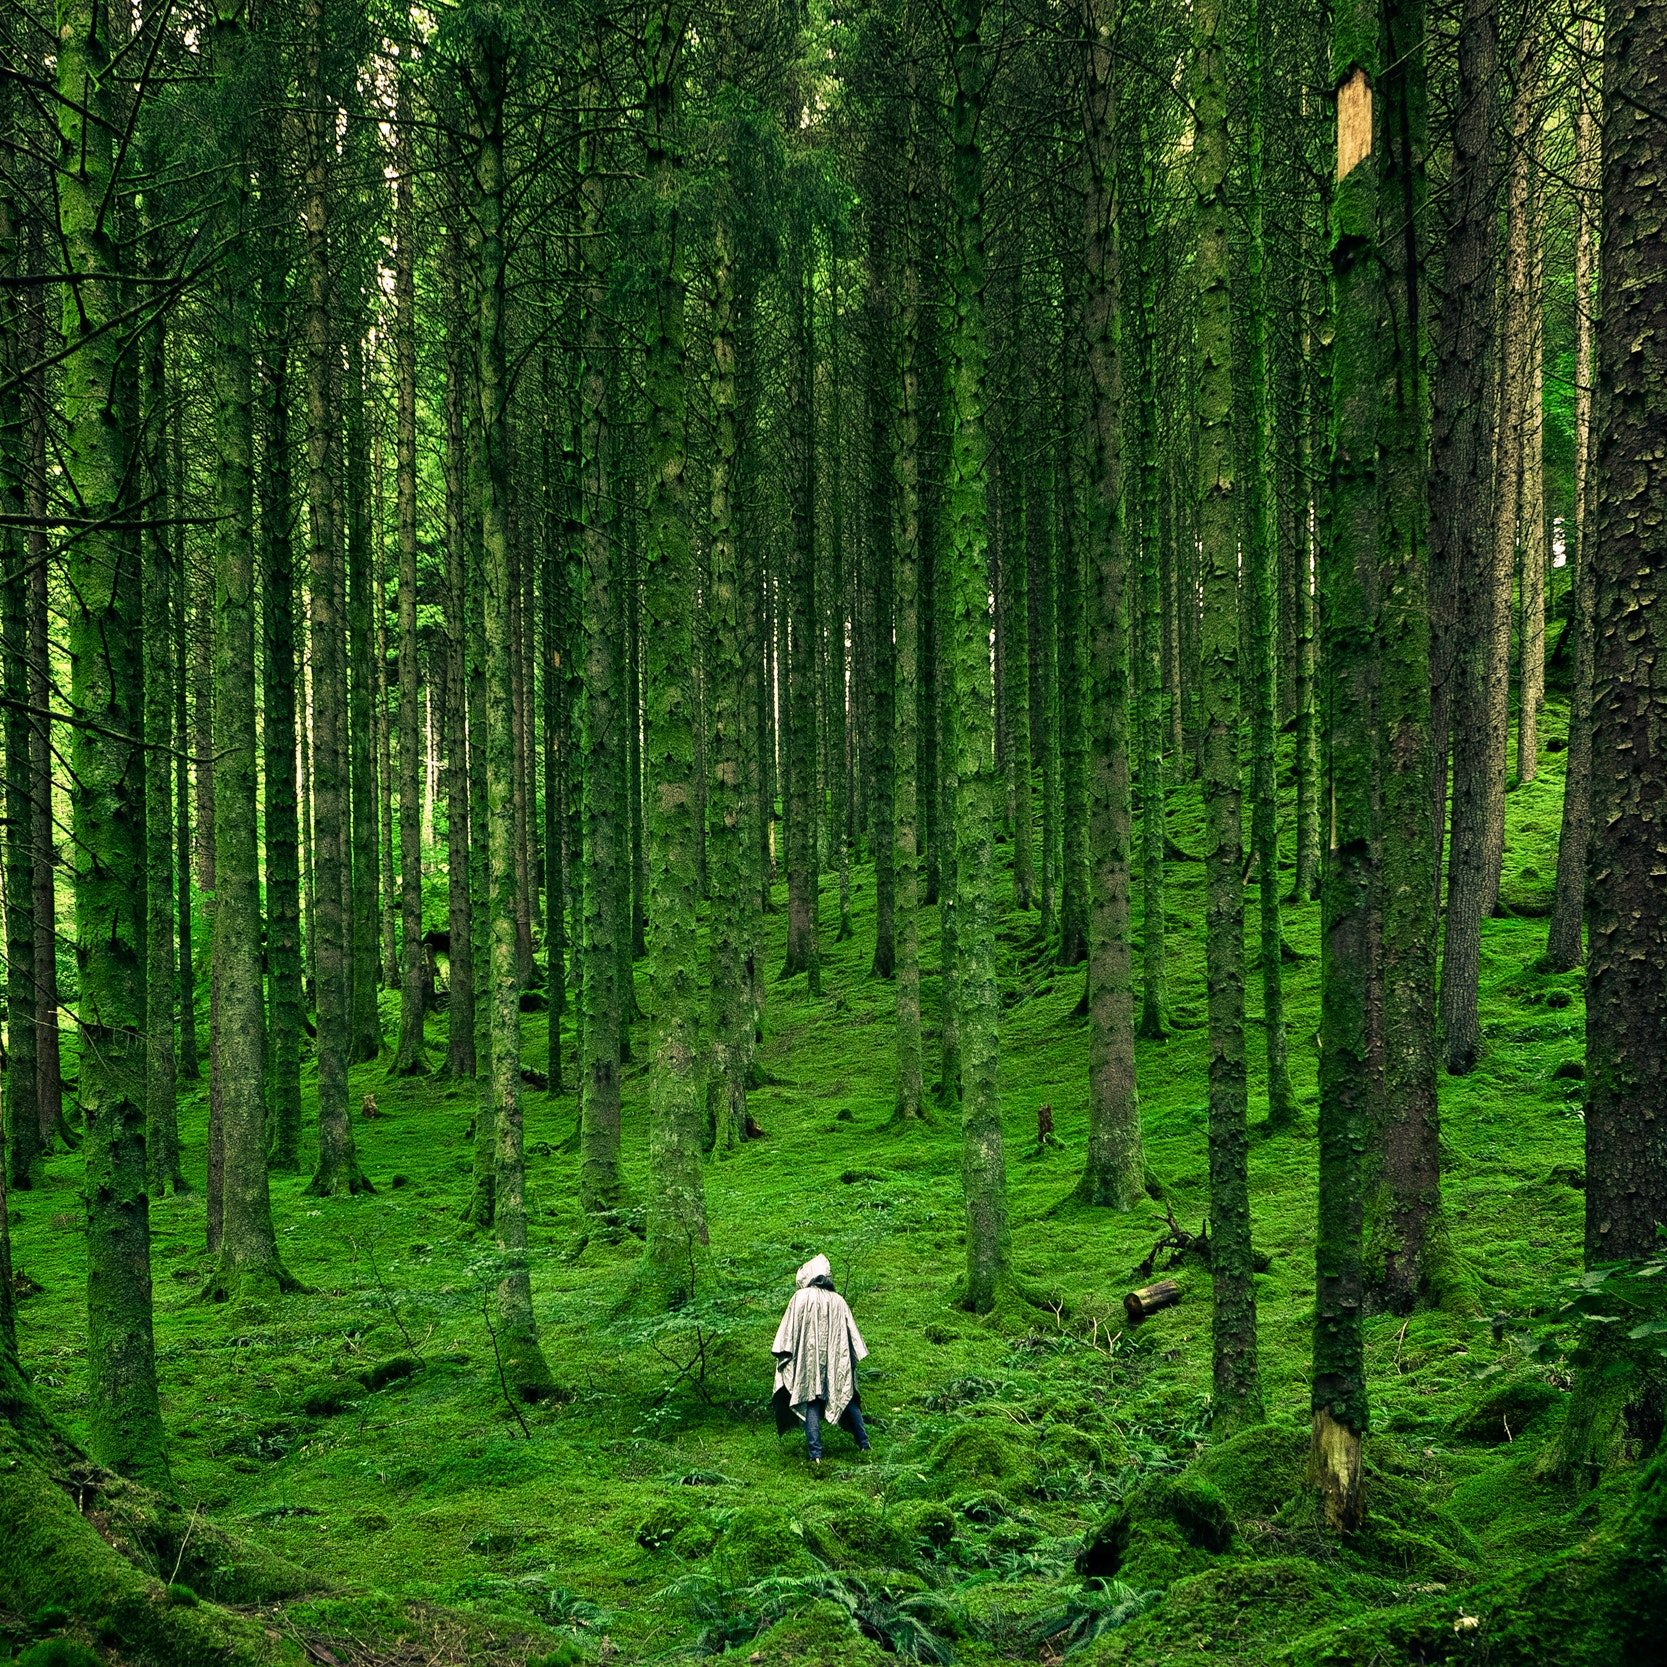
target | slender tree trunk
[
  {"x": 1262, "y": 555},
  {"x": 1113, "y": 1172},
  {"x": 1348, "y": 592},
  {"x": 1073, "y": 680},
  {"x": 1014, "y": 600},
  {"x": 25, "y": 1138},
  {"x": 605, "y": 883},
  {"x": 1532, "y": 532},
  {"x": 728, "y": 933},
  {"x": 162, "y": 1146},
  {"x": 409, "y": 1057},
  {"x": 189, "y": 1069},
  {"x": 1461, "y": 545},
  {"x": 107, "y": 686},
  {"x": 1238, "y": 1394},
  {"x": 338, "y": 1164},
  {"x": 248, "y": 1263},
  {"x": 1406, "y": 1247},
  {"x": 1563, "y": 944},
  {"x": 525, "y": 1371},
  {"x": 363, "y": 884},
  {"x": 983, "y": 1160},
  {"x": 460, "y": 959},
  {"x": 1626, "y": 984},
  {"x": 803, "y": 879},
  {"x": 286, "y": 995},
  {"x": 1511, "y": 528},
  {"x": 877, "y": 659},
  {"x": 676, "y": 1215},
  {"x": 905, "y": 809},
  {"x": 1148, "y": 633}
]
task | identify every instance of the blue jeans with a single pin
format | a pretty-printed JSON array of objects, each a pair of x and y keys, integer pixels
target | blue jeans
[{"x": 815, "y": 1412}]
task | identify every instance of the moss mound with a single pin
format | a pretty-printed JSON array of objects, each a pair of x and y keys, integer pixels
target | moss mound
[
  {"x": 822, "y": 1635},
  {"x": 758, "y": 1542},
  {"x": 1506, "y": 1410},
  {"x": 1149, "y": 1540},
  {"x": 1257, "y": 1471},
  {"x": 678, "y": 1523},
  {"x": 58, "y": 1652},
  {"x": 986, "y": 1453}
]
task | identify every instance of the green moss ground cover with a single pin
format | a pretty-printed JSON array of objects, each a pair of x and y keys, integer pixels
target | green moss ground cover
[{"x": 1040, "y": 1484}]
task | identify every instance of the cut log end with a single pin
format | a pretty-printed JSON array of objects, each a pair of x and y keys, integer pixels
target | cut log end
[{"x": 1142, "y": 1304}]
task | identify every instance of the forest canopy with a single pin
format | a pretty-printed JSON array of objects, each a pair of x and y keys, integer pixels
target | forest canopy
[{"x": 1001, "y": 651}]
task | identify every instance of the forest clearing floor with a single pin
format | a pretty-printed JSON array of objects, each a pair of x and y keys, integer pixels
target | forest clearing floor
[{"x": 1037, "y": 1484}]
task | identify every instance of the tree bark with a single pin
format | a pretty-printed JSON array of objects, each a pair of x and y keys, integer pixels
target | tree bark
[
  {"x": 108, "y": 811},
  {"x": 248, "y": 1265},
  {"x": 1461, "y": 546},
  {"x": 1238, "y": 1395},
  {"x": 983, "y": 1159},
  {"x": 676, "y": 1214},
  {"x": 485, "y": 74},
  {"x": 1348, "y": 596},
  {"x": 338, "y": 1164},
  {"x": 1261, "y": 562},
  {"x": 409, "y": 1056},
  {"x": 1564, "y": 945},
  {"x": 1113, "y": 1170}
]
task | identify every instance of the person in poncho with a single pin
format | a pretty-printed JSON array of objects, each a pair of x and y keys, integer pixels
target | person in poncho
[{"x": 817, "y": 1348}]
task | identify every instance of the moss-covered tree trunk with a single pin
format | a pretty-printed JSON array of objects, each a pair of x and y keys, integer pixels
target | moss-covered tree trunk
[
  {"x": 1014, "y": 606},
  {"x": 905, "y": 807},
  {"x": 409, "y": 1056},
  {"x": 1113, "y": 1170},
  {"x": 107, "y": 800},
  {"x": 676, "y": 1215},
  {"x": 363, "y": 887},
  {"x": 1237, "y": 1386},
  {"x": 877, "y": 658},
  {"x": 285, "y": 990},
  {"x": 1405, "y": 1242},
  {"x": 25, "y": 1138},
  {"x": 338, "y": 1165},
  {"x": 162, "y": 1142},
  {"x": 1261, "y": 564},
  {"x": 1626, "y": 983},
  {"x": 1348, "y": 597},
  {"x": 605, "y": 882},
  {"x": 189, "y": 1068},
  {"x": 1532, "y": 531},
  {"x": 248, "y": 1264},
  {"x": 1461, "y": 536},
  {"x": 1149, "y": 618},
  {"x": 967, "y": 653},
  {"x": 1073, "y": 676},
  {"x": 728, "y": 891},
  {"x": 460, "y": 959},
  {"x": 1564, "y": 942},
  {"x": 803, "y": 878},
  {"x": 485, "y": 74}
]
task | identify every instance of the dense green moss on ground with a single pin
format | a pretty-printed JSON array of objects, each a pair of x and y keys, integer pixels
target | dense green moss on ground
[{"x": 1034, "y": 1485}]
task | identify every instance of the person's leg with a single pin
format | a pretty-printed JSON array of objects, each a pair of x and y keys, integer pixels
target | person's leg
[
  {"x": 813, "y": 1431},
  {"x": 858, "y": 1429}
]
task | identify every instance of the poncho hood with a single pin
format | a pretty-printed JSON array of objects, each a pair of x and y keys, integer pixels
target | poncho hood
[{"x": 818, "y": 1267}]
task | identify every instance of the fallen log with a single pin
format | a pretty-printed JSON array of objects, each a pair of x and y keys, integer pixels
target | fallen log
[{"x": 1150, "y": 1299}]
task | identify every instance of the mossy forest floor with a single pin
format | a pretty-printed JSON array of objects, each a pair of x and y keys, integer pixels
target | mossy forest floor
[{"x": 1040, "y": 1483}]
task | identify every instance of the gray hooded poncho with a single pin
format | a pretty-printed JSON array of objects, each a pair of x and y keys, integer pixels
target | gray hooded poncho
[{"x": 817, "y": 1348}]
